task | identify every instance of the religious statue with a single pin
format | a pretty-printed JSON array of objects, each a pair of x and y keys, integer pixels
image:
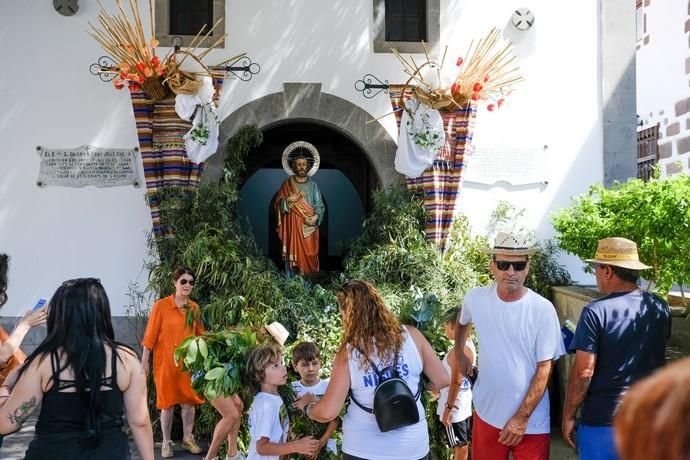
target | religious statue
[{"x": 299, "y": 209}]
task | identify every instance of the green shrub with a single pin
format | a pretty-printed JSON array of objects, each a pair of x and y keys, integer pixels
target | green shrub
[{"x": 654, "y": 214}]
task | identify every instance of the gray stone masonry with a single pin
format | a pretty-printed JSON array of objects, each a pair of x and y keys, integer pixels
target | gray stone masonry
[{"x": 304, "y": 102}]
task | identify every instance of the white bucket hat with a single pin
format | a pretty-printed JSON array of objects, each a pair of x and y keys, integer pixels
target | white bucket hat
[{"x": 278, "y": 332}]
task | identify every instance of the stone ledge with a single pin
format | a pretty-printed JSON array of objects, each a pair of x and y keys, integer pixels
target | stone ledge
[
  {"x": 585, "y": 293},
  {"x": 128, "y": 330}
]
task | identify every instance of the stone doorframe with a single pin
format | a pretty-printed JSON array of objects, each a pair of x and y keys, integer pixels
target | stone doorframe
[{"x": 305, "y": 102}]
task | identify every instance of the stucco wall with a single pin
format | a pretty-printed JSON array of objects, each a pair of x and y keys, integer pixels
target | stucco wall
[
  {"x": 663, "y": 77},
  {"x": 49, "y": 98}
]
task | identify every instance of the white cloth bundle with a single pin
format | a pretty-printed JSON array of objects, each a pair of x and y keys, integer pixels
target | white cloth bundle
[
  {"x": 421, "y": 137},
  {"x": 202, "y": 140}
]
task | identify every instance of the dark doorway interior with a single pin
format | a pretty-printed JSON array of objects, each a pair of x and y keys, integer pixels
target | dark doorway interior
[{"x": 345, "y": 178}]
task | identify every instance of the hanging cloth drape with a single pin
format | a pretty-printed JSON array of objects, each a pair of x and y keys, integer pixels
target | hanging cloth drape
[
  {"x": 161, "y": 142},
  {"x": 440, "y": 183}
]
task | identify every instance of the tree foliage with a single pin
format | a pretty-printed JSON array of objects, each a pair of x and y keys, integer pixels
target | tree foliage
[{"x": 654, "y": 214}]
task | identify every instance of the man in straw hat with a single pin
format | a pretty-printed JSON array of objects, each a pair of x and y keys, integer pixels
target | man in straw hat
[
  {"x": 519, "y": 339},
  {"x": 620, "y": 338}
]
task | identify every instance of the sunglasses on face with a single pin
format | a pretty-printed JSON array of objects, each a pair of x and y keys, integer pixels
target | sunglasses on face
[
  {"x": 184, "y": 281},
  {"x": 504, "y": 265}
]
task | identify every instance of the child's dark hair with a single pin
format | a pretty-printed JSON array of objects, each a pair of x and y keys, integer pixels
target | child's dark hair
[
  {"x": 305, "y": 351},
  {"x": 258, "y": 360},
  {"x": 451, "y": 315}
]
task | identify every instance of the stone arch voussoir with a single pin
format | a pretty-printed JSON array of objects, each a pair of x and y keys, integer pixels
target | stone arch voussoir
[{"x": 306, "y": 102}]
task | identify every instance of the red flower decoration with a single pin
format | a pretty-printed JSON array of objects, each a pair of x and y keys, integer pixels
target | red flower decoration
[
  {"x": 118, "y": 84},
  {"x": 500, "y": 102},
  {"x": 459, "y": 61},
  {"x": 477, "y": 87},
  {"x": 486, "y": 78},
  {"x": 141, "y": 67},
  {"x": 454, "y": 88},
  {"x": 155, "y": 61},
  {"x": 490, "y": 107},
  {"x": 134, "y": 87},
  {"x": 475, "y": 97}
]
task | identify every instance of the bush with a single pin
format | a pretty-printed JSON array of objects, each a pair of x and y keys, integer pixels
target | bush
[{"x": 654, "y": 214}]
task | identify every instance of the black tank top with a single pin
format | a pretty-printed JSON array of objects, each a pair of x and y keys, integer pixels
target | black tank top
[{"x": 64, "y": 412}]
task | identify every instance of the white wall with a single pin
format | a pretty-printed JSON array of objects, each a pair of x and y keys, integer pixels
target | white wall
[
  {"x": 49, "y": 98},
  {"x": 662, "y": 78}
]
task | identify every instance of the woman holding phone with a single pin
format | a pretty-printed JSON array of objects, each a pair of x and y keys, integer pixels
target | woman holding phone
[{"x": 10, "y": 354}]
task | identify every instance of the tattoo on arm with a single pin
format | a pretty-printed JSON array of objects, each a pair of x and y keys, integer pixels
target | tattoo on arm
[{"x": 23, "y": 412}]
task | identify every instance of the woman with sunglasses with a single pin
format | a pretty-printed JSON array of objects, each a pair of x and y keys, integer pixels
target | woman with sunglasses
[{"x": 166, "y": 329}]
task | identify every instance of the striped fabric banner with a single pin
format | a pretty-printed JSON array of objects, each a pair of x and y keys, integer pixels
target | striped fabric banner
[
  {"x": 440, "y": 184},
  {"x": 163, "y": 153}
]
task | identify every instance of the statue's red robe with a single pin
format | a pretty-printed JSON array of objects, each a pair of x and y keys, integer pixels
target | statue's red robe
[{"x": 299, "y": 241}]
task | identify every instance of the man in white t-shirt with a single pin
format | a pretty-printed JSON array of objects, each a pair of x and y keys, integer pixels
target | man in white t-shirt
[{"x": 519, "y": 340}]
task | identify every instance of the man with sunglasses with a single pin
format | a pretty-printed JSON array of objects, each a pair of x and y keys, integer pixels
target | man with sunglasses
[
  {"x": 620, "y": 339},
  {"x": 519, "y": 340}
]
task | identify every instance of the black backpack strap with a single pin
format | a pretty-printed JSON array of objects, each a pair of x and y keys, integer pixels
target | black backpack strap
[{"x": 364, "y": 408}]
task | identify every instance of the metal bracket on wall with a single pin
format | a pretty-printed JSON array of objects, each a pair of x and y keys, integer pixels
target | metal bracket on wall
[
  {"x": 243, "y": 68},
  {"x": 104, "y": 68},
  {"x": 371, "y": 86}
]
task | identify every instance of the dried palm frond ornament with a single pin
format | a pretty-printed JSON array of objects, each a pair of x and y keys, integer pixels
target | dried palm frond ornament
[
  {"x": 487, "y": 72},
  {"x": 122, "y": 35}
]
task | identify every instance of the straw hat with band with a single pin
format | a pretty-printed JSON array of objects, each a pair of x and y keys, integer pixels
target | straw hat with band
[
  {"x": 510, "y": 245},
  {"x": 619, "y": 252}
]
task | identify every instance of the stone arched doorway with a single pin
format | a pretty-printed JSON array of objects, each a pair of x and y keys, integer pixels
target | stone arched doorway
[
  {"x": 304, "y": 102},
  {"x": 356, "y": 158}
]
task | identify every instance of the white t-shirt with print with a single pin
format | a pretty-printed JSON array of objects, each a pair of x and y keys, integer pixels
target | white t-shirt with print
[
  {"x": 317, "y": 390},
  {"x": 265, "y": 422},
  {"x": 513, "y": 338}
]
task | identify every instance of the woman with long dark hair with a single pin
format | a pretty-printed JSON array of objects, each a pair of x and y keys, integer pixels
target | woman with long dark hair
[
  {"x": 373, "y": 336},
  {"x": 83, "y": 380},
  {"x": 166, "y": 329}
]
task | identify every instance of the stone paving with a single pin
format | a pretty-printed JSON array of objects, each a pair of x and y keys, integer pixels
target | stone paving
[{"x": 15, "y": 445}]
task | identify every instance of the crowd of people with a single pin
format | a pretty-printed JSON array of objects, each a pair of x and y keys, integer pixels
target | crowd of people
[{"x": 492, "y": 402}]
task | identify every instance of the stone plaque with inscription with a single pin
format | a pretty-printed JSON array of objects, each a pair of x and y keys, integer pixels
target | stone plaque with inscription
[
  {"x": 516, "y": 166},
  {"x": 87, "y": 165}
]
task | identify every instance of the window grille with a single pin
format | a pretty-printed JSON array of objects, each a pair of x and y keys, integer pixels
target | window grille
[{"x": 647, "y": 152}]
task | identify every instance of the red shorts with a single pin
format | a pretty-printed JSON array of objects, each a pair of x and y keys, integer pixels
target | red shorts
[{"x": 485, "y": 445}]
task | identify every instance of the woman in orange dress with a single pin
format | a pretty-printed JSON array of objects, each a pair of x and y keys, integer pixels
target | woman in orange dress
[{"x": 165, "y": 330}]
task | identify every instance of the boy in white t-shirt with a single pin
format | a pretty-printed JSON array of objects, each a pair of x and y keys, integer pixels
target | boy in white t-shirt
[
  {"x": 306, "y": 360},
  {"x": 268, "y": 419},
  {"x": 455, "y": 401}
]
